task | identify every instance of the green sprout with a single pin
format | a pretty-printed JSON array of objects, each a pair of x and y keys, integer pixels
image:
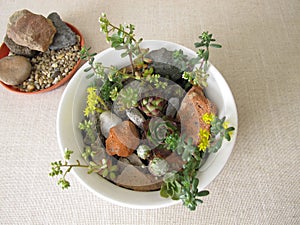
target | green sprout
[
  {"x": 122, "y": 37},
  {"x": 57, "y": 169},
  {"x": 199, "y": 75}
]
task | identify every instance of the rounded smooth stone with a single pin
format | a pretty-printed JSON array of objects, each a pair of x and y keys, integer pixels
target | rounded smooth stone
[
  {"x": 14, "y": 69},
  {"x": 107, "y": 121}
]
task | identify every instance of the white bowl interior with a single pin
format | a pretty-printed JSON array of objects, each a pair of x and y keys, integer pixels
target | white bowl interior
[{"x": 70, "y": 113}]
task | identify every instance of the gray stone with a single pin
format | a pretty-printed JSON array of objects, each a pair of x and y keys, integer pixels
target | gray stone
[
  {"x": 173, "y": 106},
  {"x": 64, "y": 36},
  {"x": 164, "y": 64},
  {"x": 107, "y": 121},
  {"x": 174, "y": 90},
  {"x": 19, "y": 49},
  {"x": 136, "y": 117},
  {"x": 14, "y": 69},
  {"x": 135, "y": 160}
]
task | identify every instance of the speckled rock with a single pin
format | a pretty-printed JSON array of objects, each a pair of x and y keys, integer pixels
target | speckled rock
[
  {"x": 19, "y": 49},
  {"x": 14, "y": 69},
  {"x": 135, "y": 116},
  {"x": 31, "y": 30},
  {"x": 64, "y": 36},
  {"x": 193, "y": 106}
]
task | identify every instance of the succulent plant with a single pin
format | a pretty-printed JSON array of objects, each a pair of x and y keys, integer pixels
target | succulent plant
[
  {"x": 143, "y": 151},
  {"x": 127, "y": 98},
  {"x": 158, "y": 166},
  {"x": 159, "y": 129},
  {"x": 152, "y": 106}
]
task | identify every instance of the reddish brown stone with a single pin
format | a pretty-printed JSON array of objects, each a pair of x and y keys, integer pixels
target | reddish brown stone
[
  {"x": 123, "y": 139},
  {"x": 193, "y": 107},
  {"x": 31, "y": 30}
]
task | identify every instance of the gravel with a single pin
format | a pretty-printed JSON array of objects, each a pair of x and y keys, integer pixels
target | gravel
[{"x": 50, "y": 67}]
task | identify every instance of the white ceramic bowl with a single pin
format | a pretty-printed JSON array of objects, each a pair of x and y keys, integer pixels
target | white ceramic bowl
[{"x": 70, "y": 113}]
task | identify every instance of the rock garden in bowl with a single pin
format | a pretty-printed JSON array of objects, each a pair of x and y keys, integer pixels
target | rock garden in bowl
[
  {"x": 145, "y": 124},
  {"x": 38, "y": 54}
]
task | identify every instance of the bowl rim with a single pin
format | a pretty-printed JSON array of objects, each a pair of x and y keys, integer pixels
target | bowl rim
[
  {"x": 4, "y": 51},
  {"x": 122, "y": 196}
]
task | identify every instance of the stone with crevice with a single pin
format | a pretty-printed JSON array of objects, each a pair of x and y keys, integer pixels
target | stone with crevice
[{"x": 193, "y": 106}]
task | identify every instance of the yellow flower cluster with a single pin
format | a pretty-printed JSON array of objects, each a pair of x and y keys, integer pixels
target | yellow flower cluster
[
  {"x": 208, "y": 117},
  {"x": 92, "y": 101},
  {"x": 204, "y": 135},
  {"x": 204, "y": 139}
]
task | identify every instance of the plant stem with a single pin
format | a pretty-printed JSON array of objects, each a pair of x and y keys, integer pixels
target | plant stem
[{"x": 117, "y": 28}]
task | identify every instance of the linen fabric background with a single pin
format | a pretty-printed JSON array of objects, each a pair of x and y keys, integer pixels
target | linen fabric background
[{"x": 260, "y": 60}]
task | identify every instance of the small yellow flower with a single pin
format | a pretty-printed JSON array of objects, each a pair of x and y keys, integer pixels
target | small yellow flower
[
  {"x": 208, "y": 117},
  {"x": 204, "y": 136},
  {"x": 92, "y": 101}
]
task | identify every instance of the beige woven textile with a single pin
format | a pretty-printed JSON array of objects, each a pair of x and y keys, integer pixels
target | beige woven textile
[{"x": 260, "y": 60}]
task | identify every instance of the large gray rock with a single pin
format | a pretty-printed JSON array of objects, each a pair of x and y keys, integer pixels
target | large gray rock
[
  {"x": 31, "y": 30},
  {"x": 164, "y": 64},
  {"x": 64, "y": 36},
  {"x": 19, "y": 49},
  {"x": 14, "y": 69}
]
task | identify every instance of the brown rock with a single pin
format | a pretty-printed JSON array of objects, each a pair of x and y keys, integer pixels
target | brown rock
[
  {"x": 134, "y": 179},
  {"x": 193, "y": 107},
  {"x": 14, "y": 69},
  {"x": 31, "y": 30},
  {"x": 175, "y": 162},
  {"x": 123, "y": 139}
]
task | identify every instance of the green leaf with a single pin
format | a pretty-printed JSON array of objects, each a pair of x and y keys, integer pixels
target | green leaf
[
  {"x": 206, "y": 55},
  {"x": 112, "y": 175},
  {"x": 163, "y": 191},
  {"x": 124, "y": 54},
  {"x": 215, "y": 45},
  {"x": 105, "y": 173},
  {"x": 87, "y": 69},
  {"x": 195, "y": 183},
  {"x": 199, "y": 44},
  {"x": 203, "y": 193}
]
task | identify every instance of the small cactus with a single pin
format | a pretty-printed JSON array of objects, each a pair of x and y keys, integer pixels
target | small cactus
[
  {"x": 158, "y": 167},
  {"x": 143, "y": 151},
  {"x": 152, "y": 106}
]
